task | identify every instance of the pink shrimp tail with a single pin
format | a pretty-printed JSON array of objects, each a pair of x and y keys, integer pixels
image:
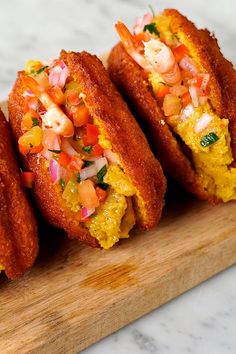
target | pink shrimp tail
[{"x": 32, "y": 85}]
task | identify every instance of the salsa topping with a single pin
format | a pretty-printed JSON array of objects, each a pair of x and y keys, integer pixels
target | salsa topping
[{"x": 57, "y": 125}]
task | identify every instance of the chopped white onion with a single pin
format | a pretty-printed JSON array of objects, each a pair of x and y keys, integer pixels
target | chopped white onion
[
  {"x": 100, "y": 163},
  {"x": 67, "y": 147},
  {"x": 111, "y": 156},
  {"x": 58, "y": 75},
  {"x": 186, "y": 112},
  {"x": 194, "y": 96},
  {"x": 202, "y": 122},
  {"x": 188, "y": 64},
  {"x": 88, "y": 172}
]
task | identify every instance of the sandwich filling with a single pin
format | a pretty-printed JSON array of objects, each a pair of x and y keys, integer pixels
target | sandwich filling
[
  {"x": 181, "y": 87},
  {"x": 86, "y": 171}
]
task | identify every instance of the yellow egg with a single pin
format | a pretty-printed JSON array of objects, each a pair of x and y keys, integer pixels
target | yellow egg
[
  {"x": 212, "y": 162},
  {"x": 105, "y": 226}
]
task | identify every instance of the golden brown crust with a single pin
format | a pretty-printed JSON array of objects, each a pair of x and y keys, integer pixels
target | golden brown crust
[
  {"x": 47, "y": 195},
  {"x": 127, "y": 75},
  {"x": 18, "y": 229},
  {"x": 190, "y": 36},
  {"x": 104, "y": 102},
  {"x": 226, "y": 76}
]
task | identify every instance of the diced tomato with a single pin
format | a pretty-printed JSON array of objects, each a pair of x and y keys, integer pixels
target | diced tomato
[
  {"x": 36, "y": 149},
  {"x": 200, "y": 81},
  {"x": 29, "y": 120},
  {"x": 102, "y": 195},
  {"x": 180, "y": 51},
  {"x": 72, "y": 97},
  {"x": 171, "y": 105},
  {"x": 57, "y": 94},
  {"x": 97, "y": 150},
  {"x": 27, "y": 179},
  {"x": 76, "y": 163},
  {"x": 80, "y": 115},
  {"x": 162, "y": 91},
  {"x": 186, "y": 99},
  {"x": 63, "y": 159},
  {"x": 90, "y": 136},
  {"x": 87, "y": 194},
  {"x": 31, "y": 103},
  {"x": 24, "y": 150}
]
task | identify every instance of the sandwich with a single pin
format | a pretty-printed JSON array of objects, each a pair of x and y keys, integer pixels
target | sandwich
[
  {"x": 95, "y": 176},
  {"x": 18, "y": 229},
  {"x": 182, "y": 91}
]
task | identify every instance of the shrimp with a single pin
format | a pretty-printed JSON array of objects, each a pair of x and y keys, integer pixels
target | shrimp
[
  {"x": 163, "y": 61},
  {"x": 130, "y": 46},
  {"x": 157, "y": 56},
  {"x": 54, "y": 119}
]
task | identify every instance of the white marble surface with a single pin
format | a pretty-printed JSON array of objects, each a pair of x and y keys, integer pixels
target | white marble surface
[{"x": 202, "y": 321}]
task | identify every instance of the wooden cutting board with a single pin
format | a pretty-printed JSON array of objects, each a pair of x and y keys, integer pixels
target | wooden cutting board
[{"x": 76, "y": 295}]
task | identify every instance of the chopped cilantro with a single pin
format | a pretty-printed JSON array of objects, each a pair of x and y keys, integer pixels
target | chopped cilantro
[
  {"x": 55, "y": 151},
  {"x": 31, "y": 145},
  {"x": 88, "y": 163},
  {"x": 40, "y": 70},
  {"x": 62, "y": 183},
  {"x": 87, "y": 148},
  {"x": 35, "y": 122},
  {"x": 78, "y": 178},
  {"x": 101, "y": 173},
  {"x": 103, "y": 185},
  {"x": 152, "y": 29},
  {"x": 209, "y": 139}
]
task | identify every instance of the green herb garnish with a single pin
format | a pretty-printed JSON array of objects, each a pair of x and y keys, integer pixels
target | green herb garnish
[
  {"x": 40, "y": 70},
  {"x": 87, "y": 148},
  {"x": 209, "y": 139},
  {"x": 78, "y": 179},
  {"x": 31, "y": 145},
  {"x": 103, "y": 185},
  {"x": 152, "y": 29},
  {"x": 88, "y": 163},
  {"x": 62, "y": 183},
  {"x": 35, "y": 122},
  {"x": 151, "y": 8},
  {"x": 55, "y": 151},
  {"x": 101, "y": 173}
]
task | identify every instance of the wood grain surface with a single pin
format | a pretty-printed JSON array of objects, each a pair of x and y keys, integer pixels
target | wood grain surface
[{"x": 76, "y": 295}]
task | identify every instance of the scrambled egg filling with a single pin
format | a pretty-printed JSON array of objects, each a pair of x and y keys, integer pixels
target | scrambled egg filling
[
  {"x": 115, "y": 217},
  {"x": 212, "y": 163},
  {"x": 106, "y": 225}
]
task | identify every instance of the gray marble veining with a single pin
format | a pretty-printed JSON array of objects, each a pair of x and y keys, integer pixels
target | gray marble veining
[{"x": 202, "y": 321}]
